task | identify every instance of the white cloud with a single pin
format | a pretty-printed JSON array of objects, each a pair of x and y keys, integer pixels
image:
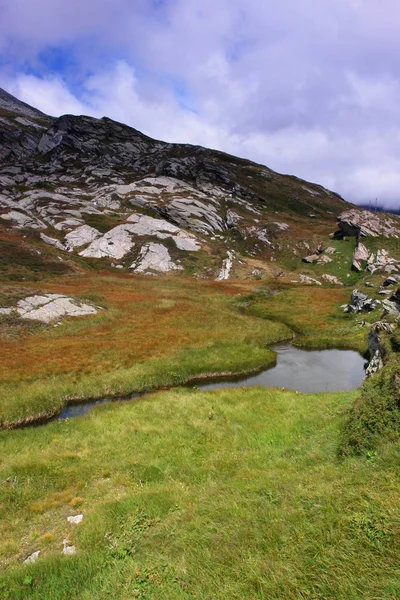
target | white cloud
[
  {"x": 50, "y": 95},
  {"x": 309, "y": 88}
]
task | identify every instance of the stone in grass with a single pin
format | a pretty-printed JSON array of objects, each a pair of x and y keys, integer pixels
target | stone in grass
[
  {"x": 331, "y": 279},
  {"x": 75, "y": 519},
  {"x": 67, "y": 549},
  {"x": 32, "y": 558},
  {"x": 311, "y": 259}
]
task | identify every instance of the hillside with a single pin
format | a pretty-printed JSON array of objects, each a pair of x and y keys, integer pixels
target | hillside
[
  {"x": 133, "y": 269},
  {"x": 99, "y": 189}
]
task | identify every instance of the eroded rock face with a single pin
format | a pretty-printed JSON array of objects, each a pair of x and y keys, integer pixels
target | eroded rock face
[
  {"x": 81, "y": 236},
  {"x": 21, "y": 220},
  {"x": 154, "y": 257},
  {"x": 144, "y": 225},
  {"x": 120, "y": 240},
  {"x": 226, "y": 266},
  {"x": 113, "y": 244},
  {"x": 196, "y": 215},
  {"x": 50, "y": 307},
  {"x": 83, "y": 176},
  {"x": 357, "y": 222}
]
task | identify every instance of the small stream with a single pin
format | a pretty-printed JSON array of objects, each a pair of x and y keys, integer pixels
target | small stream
[{"x": 306, "y": 371}]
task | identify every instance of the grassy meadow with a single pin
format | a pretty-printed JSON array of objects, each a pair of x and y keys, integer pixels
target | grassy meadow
[
  {"x": 185, "y": 494},
  {"x": 152, "y": 333},
  {"x": 239, "y": 493}
]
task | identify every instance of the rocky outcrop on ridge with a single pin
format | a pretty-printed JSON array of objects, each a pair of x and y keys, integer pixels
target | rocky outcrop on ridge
[
  {"x": 87, "y": 189},
  {"x": 357, "y": 222},
  {"x": 98, "y": 189}
]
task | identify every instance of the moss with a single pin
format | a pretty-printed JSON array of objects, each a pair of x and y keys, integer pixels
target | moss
[
  {"x": 376, "y": 415},
  {"x": 21, "y": 263}
]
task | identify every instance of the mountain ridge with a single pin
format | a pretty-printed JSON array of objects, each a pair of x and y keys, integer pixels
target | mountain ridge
[{"x": 98, "y": 189}]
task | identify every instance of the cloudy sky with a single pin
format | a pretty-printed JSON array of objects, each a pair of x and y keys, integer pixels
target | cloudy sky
[{"x": 307, "y": 87}]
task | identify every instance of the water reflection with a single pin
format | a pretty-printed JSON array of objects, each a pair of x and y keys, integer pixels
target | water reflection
[
  {"x": 302, "y": 370},
  {"x": 306, "y": 371}
]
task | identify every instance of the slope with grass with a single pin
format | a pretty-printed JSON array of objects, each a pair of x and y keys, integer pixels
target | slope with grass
[
  {"x": 227, "y": 494},
  {"x": 245, "y": 493}
]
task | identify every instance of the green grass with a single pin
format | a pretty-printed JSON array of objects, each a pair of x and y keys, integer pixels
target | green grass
[
  {"x": 315, "y": 315},
  {"x": 41, "y": 399},
  {"x": 22, "y": 263},
  {"x": 376, "y": 416},
  {"x": 227, "y": 494},
  {"x": 158, "y": 333}
]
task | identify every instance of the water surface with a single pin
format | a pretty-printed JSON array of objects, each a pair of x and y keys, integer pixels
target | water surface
[
  {"x": 306, "y": 371},
  {"x": 302, "y": 370}
]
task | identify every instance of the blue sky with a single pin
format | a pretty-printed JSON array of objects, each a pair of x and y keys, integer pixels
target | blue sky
[{"x": 308, "y": 87}]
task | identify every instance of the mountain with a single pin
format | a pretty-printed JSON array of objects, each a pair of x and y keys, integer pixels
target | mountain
[{"x": 78, "y": 192}]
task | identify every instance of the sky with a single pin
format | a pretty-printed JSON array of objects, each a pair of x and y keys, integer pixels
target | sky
[{"x": 306, "y": 87}]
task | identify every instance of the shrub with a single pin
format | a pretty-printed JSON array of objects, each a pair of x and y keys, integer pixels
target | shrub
[{"x": 377, "y": 413}]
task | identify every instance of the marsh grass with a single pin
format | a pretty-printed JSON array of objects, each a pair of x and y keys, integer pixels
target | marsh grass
[
  {"x": 159, "y": 333},
  {"x": 186, "y": 494},
  {"x": 147, "y": 335},
  {"x": 314, "y": 315}
]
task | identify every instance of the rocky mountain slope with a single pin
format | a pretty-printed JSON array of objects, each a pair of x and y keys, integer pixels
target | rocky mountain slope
[{"x": 77, "y": 190}]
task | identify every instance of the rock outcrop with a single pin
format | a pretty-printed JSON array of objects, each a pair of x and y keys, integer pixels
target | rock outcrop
[
  {"x": 101, "y": 190},
  {"x": 49, "y": 307},
  {"x": 226, "y": 266},
  {"x": 376, "y": 352},
  {"x": 361, "y": 302},
  {"x": 361, "y": 255},
  {"x": 154, "y": 257},
  {"x": 357, "y": 222}
]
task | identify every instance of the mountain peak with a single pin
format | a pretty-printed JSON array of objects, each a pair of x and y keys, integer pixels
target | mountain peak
[{"x": 12, "y": 104}]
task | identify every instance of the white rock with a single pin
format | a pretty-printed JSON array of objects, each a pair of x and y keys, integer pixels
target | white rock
[
  {"x": 21, "y": 220},
  {"x": 323, "y": 260},
  {"x": 282, "y": 226},
  {"x": 52, "y": 306},
  {"x": 68, "y": 224},
  {"x": 309, "y": 280},
  {"x": 144, "y": 225},
  {"x": 75, "y": 519},
  {"x": 226, "y": 266},
  {"x": 6, "y": 311},
  {"x": 154, "y": 257},
  {"x": 195, "y": 215},
  {"x": 118, "y": 241},
  {"x": 32, "y": 558},
  {"x": 81, "y": 236},
  {"x": 52, "y": 241},
  {"x": 114, "y": 244},
  {"x": 68, "y": 550},
  {"x": 361, "y": 252}
]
